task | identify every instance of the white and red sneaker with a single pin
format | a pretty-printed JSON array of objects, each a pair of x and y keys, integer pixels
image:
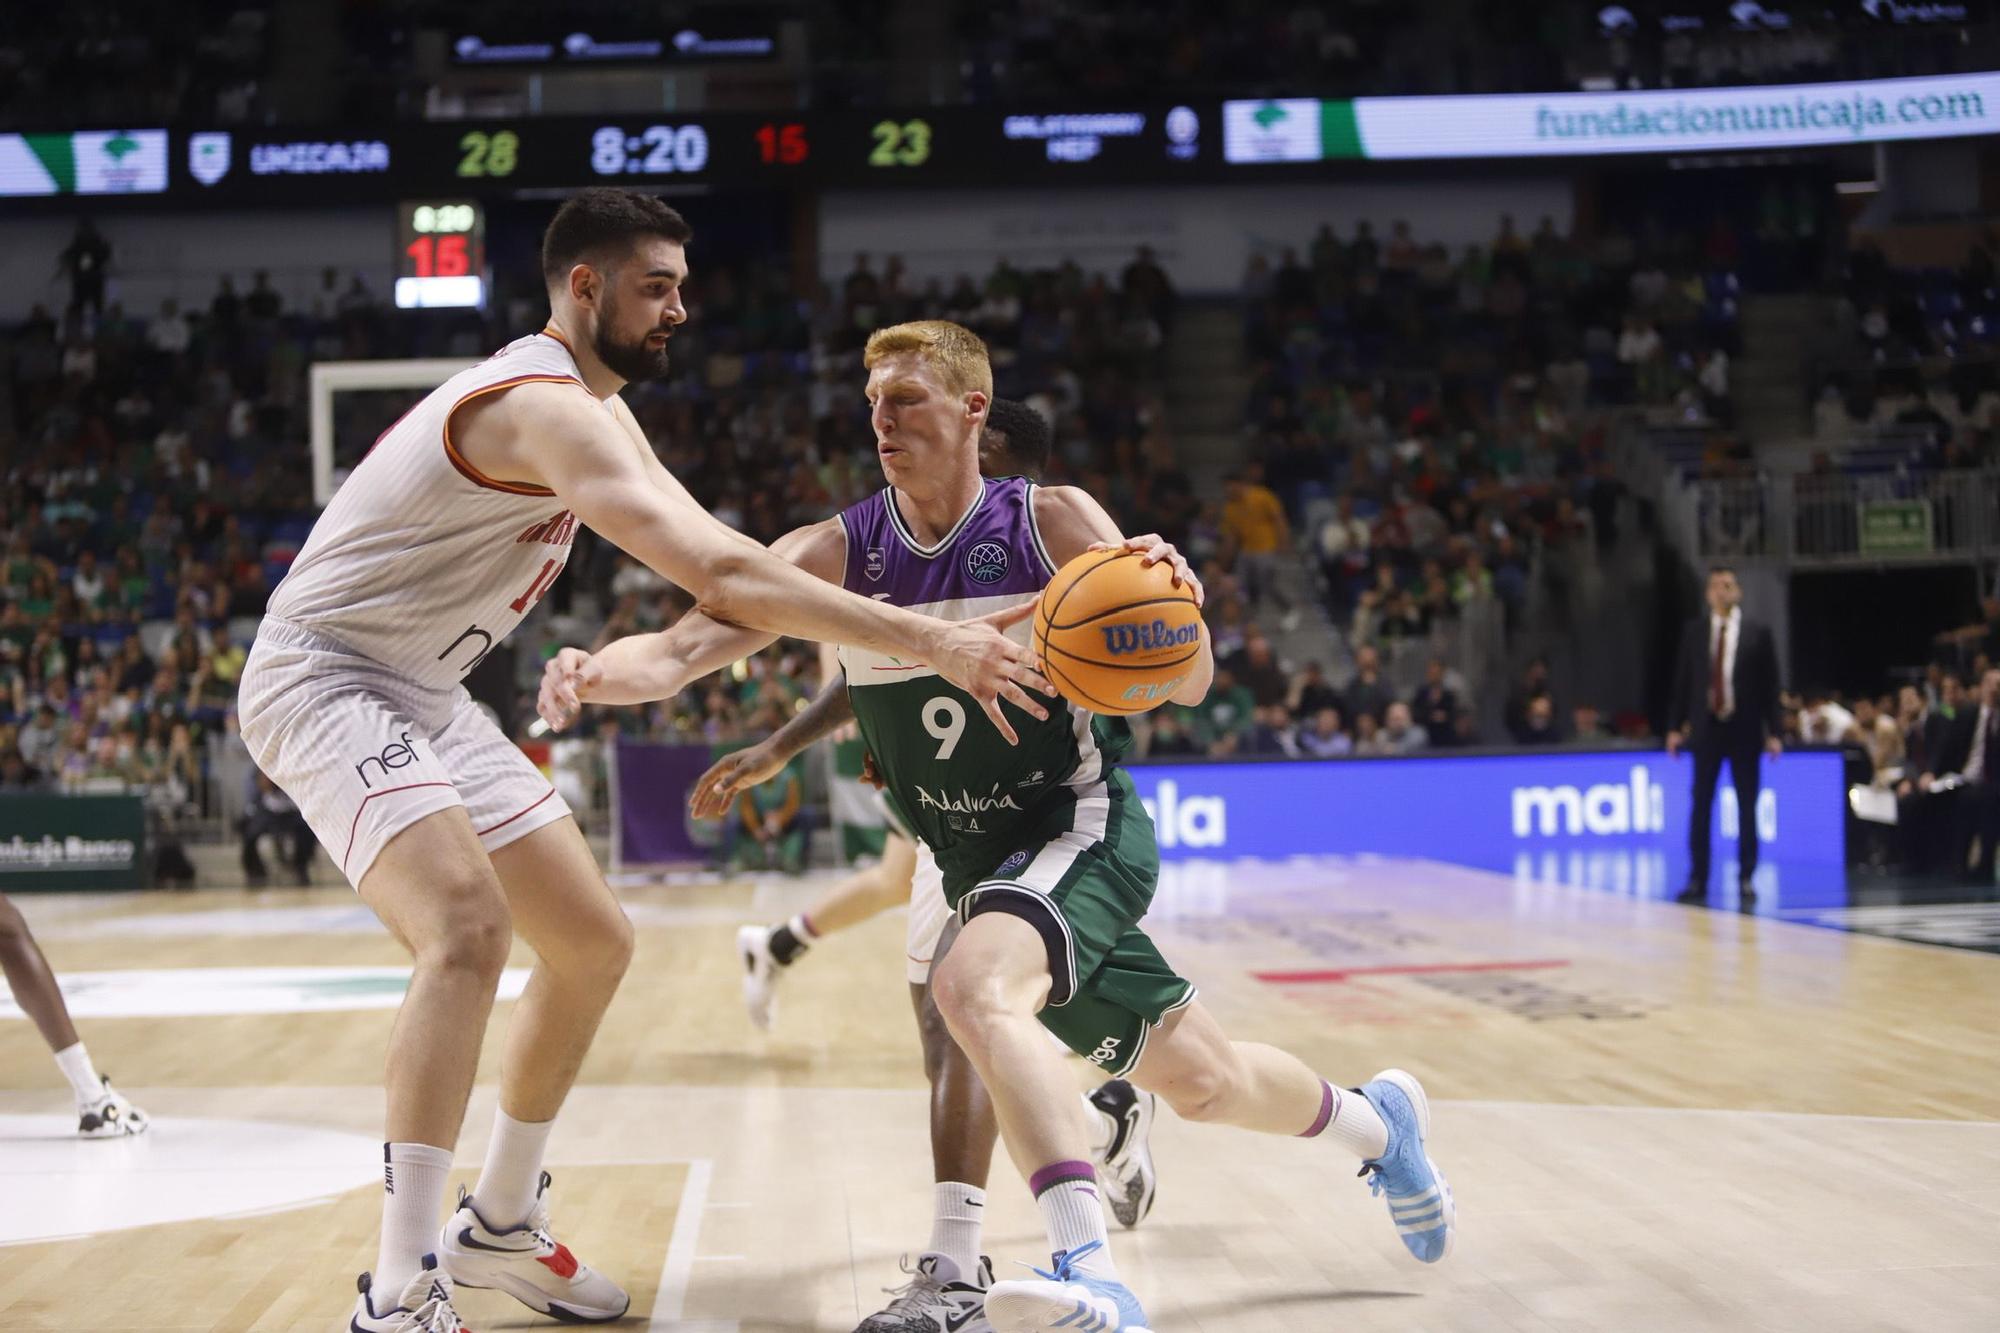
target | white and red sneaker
[{"x": 527, "y": 1263}]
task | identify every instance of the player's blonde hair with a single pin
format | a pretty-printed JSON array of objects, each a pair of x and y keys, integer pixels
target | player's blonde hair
[{"x": 956, "y": 353}]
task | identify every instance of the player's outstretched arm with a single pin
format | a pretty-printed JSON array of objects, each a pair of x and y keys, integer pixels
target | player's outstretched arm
[
  {"x": 589, "y": 461},
  {"x": 743, "y": 769},
  {"x": 1072, "y": 522}
]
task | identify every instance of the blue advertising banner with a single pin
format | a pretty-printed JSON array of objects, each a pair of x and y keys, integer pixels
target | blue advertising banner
[{"x": 1488, "y": 810}]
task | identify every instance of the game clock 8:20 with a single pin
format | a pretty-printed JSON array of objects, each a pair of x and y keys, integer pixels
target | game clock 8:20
[{"x": 657, "y": 150}]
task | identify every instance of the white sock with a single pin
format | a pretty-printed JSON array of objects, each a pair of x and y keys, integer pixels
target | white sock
[
  {"x": 1101, "y": 1128},
  {"x": 957, "y": 1212},
  {"x": 802, "y": 929},
  {"x": 412, "y": 1193},
  {"x": 1066, "y": 1194},
  {"x": 513, "y": 1171},
  {"x": 1346, "y": 1117},
  {"x": 83, "y": 1078}
]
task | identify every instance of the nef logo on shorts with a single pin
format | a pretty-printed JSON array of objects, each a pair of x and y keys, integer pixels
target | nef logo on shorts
[
  {"x": 1148, "y": 638},
  {"x": 986, "y": 562},
  {"x": 399, "y": 754}
]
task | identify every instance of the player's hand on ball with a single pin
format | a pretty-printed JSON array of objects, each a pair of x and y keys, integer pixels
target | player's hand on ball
[
  {"x": 729, "y": 777},
  {"x": 978, "y": 657},
  {"x": 1152, "y": 549},
  {"x": 567, "y": 679}
]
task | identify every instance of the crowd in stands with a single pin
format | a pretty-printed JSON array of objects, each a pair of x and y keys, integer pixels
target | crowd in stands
[
  {"x": 201, "y": 62},
  {"x": 1916, "y": 362},
  {"x": 1929, "y": 750}
]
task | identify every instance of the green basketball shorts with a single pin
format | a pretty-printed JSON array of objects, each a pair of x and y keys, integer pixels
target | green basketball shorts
[{"x": 1083, "y": 874}]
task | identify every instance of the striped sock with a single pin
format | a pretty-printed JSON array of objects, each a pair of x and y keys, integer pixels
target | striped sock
[
  {"x": 792, "y": 939},
  {"x": 1348, "y": 1119},
  {"x": 1066, "y": 1194}
]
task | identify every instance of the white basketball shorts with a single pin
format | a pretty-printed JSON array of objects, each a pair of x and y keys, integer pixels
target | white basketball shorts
[
  {"x": 928, "y": 915},
  {"x": 366, "y": 753}
]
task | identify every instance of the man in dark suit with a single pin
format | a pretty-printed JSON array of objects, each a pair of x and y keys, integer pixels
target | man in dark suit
[{"x": 1725, "y": 706}]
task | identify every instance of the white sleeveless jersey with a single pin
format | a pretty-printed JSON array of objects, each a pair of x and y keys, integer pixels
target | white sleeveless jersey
[{"x": 421, "y": 562}]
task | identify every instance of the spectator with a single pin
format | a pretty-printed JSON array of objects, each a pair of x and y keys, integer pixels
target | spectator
[
  {"x": 1977, "y": 835},
  {"x": 1271, "y": 734},
  {"x": 1538, "y": 722},
  {"x": 1876, "y": 732},
  {"x": 1400, "y": 734},
  {"x": 86, "y": 260},
  {"x": 1587, "y": 726},
  {"x": 39, "y": 737},
  {"x": 772, "y": 834},
  {"x": 1435, "y": 706},
  {"x": 1824, "y": 721},
  {"x": 1325, "y": 739},
  {"x": 1367, "y": 736},
  {"x": 1170, "y": 736},
  {"x": 1534, "y": 682},
  {"x": 269, "y": 811},
  {"x": 1368, "y": 694},
  {"x": 1258, "y": 669},
  {"x": 1311, "y": 693},
  {"x": 1230, "y": 708},
  {"x": 1254, "y": 523}
]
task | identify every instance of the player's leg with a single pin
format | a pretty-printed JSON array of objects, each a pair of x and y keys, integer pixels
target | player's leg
[
  {"x": 562, "y": 909},
  {"x": 101, "y": 1112},
  {"x": 766, "y": 951},
  {"x": 947, "y": 1282},
  {"x": 996, "y": 979},
  {"x": 350, "y": 743},
  {"x": 434, "y": 888},
  {"x": 1196, "y": 1069}
]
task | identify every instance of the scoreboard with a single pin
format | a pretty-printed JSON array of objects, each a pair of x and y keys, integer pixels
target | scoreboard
[
  {"x": 955, "y": 146},
  {"x": 440, "y": 254}
]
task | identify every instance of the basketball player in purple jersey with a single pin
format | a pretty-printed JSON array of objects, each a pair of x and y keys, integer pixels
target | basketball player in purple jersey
[{"x": 1048, "y": 855}]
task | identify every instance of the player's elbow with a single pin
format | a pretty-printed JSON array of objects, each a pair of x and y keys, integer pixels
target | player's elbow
[{"x": 729, "y": 586}]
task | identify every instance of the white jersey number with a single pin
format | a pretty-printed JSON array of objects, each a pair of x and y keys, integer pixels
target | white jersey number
[{"x": 944, "y": 719}]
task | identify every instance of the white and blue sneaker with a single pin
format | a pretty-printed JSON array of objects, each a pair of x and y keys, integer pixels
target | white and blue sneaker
[
  {"x": 1419, "y": 1199},
  {"x": 1064, "y": 1299}
]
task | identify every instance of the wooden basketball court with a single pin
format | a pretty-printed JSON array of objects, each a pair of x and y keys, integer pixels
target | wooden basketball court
[{"x": 1653, "y": 1117}]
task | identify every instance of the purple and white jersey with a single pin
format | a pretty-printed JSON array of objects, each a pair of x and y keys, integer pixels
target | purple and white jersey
[{"x": 951, "y": 776}]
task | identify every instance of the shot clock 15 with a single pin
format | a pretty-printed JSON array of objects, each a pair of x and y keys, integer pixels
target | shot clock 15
[{"x": 440, "y": 254}]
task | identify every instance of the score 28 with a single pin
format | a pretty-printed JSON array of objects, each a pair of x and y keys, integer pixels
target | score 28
[{"x": 904, "y": 143}]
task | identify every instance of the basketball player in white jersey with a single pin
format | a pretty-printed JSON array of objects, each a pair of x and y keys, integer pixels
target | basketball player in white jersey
[{"x": 444, "y": 537}]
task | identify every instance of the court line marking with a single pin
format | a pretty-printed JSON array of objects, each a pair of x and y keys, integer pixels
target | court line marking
[
  {"x": 678, "y": 1266},
  {"x": 1403, "y": 970}
]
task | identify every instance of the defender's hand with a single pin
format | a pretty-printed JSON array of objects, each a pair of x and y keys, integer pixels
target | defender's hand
[
  {"x": 729, "y": 777},
  {"x": 566, "y": 683},
  {"x": 978, "y": 657}
]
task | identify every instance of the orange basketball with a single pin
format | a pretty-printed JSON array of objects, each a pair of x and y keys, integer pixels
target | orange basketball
[{"x": 1116, "y": 637}]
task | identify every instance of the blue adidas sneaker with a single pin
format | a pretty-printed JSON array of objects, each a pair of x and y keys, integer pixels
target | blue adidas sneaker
[
  {"x": 1064, "y": 1299},
  {"x": 1419, "y": 1199}
]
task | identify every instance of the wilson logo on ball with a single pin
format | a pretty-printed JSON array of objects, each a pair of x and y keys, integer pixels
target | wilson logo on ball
[{"x": 1147, "y": 638}]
